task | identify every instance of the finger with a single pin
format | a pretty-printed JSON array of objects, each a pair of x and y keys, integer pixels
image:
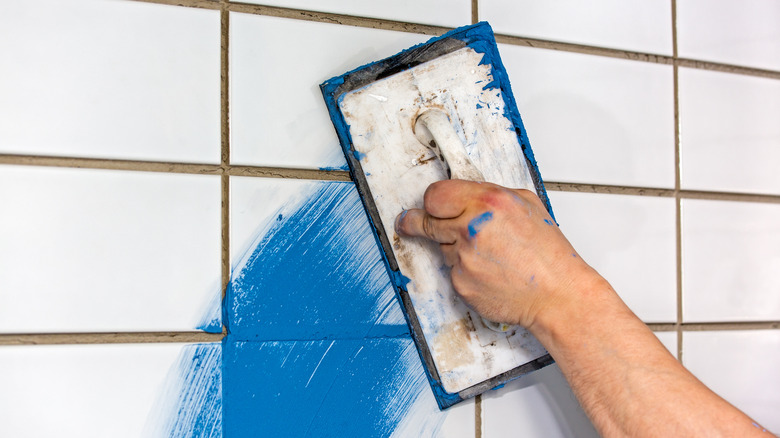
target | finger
[
  {"x": 418, "y": 223},
  {"x": 451, "y": 256},
  {"x": 449, "y": 198}
]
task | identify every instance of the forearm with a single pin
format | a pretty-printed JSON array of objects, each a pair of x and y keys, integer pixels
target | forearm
[{"x": 625, "y": 379}]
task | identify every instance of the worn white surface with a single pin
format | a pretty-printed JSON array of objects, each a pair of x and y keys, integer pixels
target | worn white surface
[{"x": 399, "y": 168}]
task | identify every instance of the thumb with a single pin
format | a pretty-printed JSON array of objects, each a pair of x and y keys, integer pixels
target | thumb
[{"x": 418, "y": 223}]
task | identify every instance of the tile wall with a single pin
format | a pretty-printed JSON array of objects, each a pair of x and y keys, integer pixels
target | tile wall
[{"x": 147, "y": 146}]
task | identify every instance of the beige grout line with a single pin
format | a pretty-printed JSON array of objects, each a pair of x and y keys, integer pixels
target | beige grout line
[
  {"x": 107, "y": 338},
  {"x": 677, "y": 195},
  {"x": 478, "y": 416},
  {"x": 225, "y": 147},
  {"x": 474, "y": 11},
  {"x": 189, "y": 168},
  {"x": 712, "y": 326},
  {"x": 555, "y": 186},
  {"x": 426, "y": 29}
]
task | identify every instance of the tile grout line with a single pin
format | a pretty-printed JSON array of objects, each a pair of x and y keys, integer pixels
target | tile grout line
[
  {"x": 170, "y": 167},
  {"x": 342, "y": 175},
  {"x": 224, "y": 59},
  {"x": 10, "y": 339},
  {"x": 677, "y": 194},
  {"x": 428, "y": 29}
]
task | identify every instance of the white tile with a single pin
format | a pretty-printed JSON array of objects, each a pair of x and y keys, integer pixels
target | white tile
[
  {"x": 110, "y": 79},
  {"x": 540, "y": 404},
  {"x": 594, "y": 119},
  {"x": 730, "y": 261},
  {"x": 97, "y": 250},
  {"x": 669, "y": 339},
  {"x": 631, "y": 25},
  {"x": 278, "y": 115},
  {"x": 438, "y": 12},
  {"x": 740, "y": 366},
  {"x": 730, "y": 135},
  {"x": 630, "y": 240},
  {"x": 92, "y": 390},
  {"x": 742, "y": 32}
]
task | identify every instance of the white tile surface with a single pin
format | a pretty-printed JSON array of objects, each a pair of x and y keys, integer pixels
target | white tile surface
[
  {"x": 452, "y": 13},
  {"x": 81, "y": 390},
  {"x": 95, "y": 250},
  {"x": 278, "y": 115},
  {"x": 730, "y": 135},
  {"x": 740, "y": 366},
  {"x": 109, "y": 79},
  {"x": 630, "y": 240},
  {"x": 594, "y": 119},
  {"x": 539, "y": 404},
  {"x": 742, "y": 32},
  {"x": 730, "y": 261},
  {"x": 644, "y": 26}
]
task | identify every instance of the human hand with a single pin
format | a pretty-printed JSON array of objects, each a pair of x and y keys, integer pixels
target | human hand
[{"x": 509, "y": 260}]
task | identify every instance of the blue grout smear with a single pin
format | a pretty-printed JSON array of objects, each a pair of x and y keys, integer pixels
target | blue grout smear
[
  {"x": 317, "y": 344},
  {"x": 316, "y": 274},
  {"x": 191, "y": 402},
  {"x": 479, "y": 222}
]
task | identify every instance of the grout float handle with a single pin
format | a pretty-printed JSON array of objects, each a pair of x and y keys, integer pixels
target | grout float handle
[{"x": 434, "y": 129}]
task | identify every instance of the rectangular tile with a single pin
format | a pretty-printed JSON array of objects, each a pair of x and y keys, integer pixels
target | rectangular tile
[
  {"x": 740, "y": 366},
  {"x": 742, "y": 32},
  {"x": 630, "y": 240},
  {"x": 438, "y": 12},
  {"x": 106, "y": 251},
  {"x": 730, "y": 261},
  {"x": 345, "y": 387},
  {"x": 278, "y": 116},
  {"x": 595, "y": 120},
  {"x": 540, "y": 404},
  {"x": 126, "y": 80},
  {"x": 631, "y": 25},
  {"x": 729, "y": 134},
  {"x": 111, "y": 390},
  {"x": 310, "y": 268}
]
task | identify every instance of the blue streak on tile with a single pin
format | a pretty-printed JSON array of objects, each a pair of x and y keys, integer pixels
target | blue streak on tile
[
  {"x": 191, "y": 402},
  {"x": 211, "y": 321},
  {"x": 341, "y": 387},
  {"x": 316, "y": 274},
  {"x": 479, "y": 222}
]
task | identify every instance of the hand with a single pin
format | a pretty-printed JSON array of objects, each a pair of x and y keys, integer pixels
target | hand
[{"x": 509, "y": 260}]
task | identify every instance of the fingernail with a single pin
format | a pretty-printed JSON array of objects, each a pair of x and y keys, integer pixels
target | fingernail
[{"x": 398, "y": 220}]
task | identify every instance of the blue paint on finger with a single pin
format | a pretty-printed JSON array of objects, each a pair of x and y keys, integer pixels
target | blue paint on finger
[
  {"x": 549, "y": 222},
  {"x": 479, "y": 222}
]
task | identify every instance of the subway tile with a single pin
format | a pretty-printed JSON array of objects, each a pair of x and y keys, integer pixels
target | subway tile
[
  {"x": 109, "y": 79},
  {"x": 306, "y": 249},
  {"x": 344, "y": 387},
  {"x": 593, "y": 119},
  {"x": 278, "y": 115},
  {"x": 111, "y": 390},
  {"x": 730, "y": 261},
  {"x": 107, "y": 251},
  {"x": 540, "y": 404},
  {"x": 630, "y": 25},
  {"x": 741, "y": 32},
  {"x": 630, "y": 240},
  {"x": 740, "y": 366},
  {"x": 437, "y": 12},
  {"x": 729, "y": 134}
]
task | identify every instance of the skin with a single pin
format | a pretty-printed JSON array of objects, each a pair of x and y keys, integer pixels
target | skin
[{"x": 517, "y": 267}]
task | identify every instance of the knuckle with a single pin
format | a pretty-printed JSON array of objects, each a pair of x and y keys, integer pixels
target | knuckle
[{"x": 428, "y": 226}]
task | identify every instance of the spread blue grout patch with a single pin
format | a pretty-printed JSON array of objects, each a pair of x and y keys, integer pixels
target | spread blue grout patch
[{"x": 316, "y": 274}]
